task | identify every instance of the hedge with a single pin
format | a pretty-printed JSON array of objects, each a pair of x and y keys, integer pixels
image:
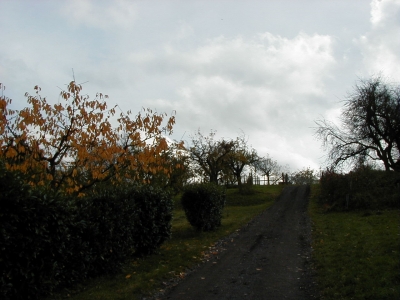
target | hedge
[
  {"x": 48, "y": 242},
  {"x": 364, "y": 188}
]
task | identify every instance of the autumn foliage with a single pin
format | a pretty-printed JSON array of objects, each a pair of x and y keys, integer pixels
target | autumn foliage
[
  {"x": 52, "y": 153},
  {"x": 74, "y": 144}
]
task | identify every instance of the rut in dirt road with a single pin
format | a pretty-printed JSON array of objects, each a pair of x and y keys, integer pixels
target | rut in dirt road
[{"x": 268, "y": 259}]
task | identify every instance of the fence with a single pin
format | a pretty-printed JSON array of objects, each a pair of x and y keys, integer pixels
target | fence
[{"x": 262, "y": 180}]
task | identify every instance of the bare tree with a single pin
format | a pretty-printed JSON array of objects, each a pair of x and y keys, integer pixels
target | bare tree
[
  {"x": 210, "y": 155},
  {"x": 305, "y": 176},
  {"x": 268, "y": 167},
  {"x": 241, "y": 156},
  {"x": 370, "y": 127}
]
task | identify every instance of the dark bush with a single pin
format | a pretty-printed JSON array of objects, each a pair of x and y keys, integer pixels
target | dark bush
[
  {"x": 246, "y": 189},
  {"x": 107, "y": 234},
  {"x": 363, "y": 188},
  {"x": 153, "y": 216},
  {"x": 48, "y": 242},
  {"x": 34, "y": 240},
  {"x": 203, "y": 205},
  {"x": 120, "y": 223}
]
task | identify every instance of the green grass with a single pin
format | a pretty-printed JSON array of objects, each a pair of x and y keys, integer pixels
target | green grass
[
  {"x": 184, "y": 250},
  {"x": 356, "y": 253}
]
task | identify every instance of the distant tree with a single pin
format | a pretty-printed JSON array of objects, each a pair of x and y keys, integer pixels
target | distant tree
[
  {"x": 210, "y": 155},
  {"x": 72, "y": 145},
  {"x": 370, "y": 127},
  {"x": 177, "y": 162},
  {"x": 305, "y": 176},
  {"x": 268, "y": 167},
  {"x": 240, "y": 156}
]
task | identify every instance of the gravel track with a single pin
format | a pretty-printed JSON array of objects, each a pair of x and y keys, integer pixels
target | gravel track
[{"x": 269, "y": 258}]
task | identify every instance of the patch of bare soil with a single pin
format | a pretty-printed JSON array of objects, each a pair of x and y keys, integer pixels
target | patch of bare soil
[{"x": 270, "y": 258}]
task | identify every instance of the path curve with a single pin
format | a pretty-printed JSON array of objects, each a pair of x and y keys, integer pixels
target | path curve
[{"x": 268, "y": 259}]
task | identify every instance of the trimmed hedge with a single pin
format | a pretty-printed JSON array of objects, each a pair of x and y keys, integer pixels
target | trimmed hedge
[
  {"x": 34, "y": 240},
  {"x": 361, "y": 189},
  {"x": 203, "y": 205},
  {"x": 48, "y": 242},
  {"x": 152, "y": 219}
]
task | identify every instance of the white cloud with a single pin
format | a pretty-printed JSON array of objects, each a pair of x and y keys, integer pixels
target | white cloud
[
  {"x": 381, "y": 45},
  {"x": 384, "y": 10},
  {"x": 267, "y": 86},
  {"x": 104, "y": 15}
]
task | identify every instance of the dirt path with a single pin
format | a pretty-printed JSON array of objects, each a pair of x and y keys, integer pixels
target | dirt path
[{"x": 267, "y": 259}]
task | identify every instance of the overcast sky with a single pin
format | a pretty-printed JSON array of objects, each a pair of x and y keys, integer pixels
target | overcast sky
[{"x": 267, "y": 69}]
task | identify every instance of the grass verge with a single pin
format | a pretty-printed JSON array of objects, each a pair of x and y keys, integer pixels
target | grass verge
[
  {"x": 186, "y": 248},
  {"x": 356, "y": 253}
]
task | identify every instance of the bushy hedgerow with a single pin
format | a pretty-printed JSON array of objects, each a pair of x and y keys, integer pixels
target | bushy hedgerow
[
  {"x": 363, "y": 188},
  {"x": 48, "y": 242},
  {"x": 34, "y": 240},
  {"x": 203, "y": 205},
  {"x": 153, "y": 215},
  {"x": 106, "y": 236}
]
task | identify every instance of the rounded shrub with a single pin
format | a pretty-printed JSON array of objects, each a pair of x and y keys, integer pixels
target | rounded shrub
[{"x": 203, "y": 205}]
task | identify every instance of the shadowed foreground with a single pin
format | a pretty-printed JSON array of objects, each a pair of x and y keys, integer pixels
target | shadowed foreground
[{"x": 267, "y": 259}]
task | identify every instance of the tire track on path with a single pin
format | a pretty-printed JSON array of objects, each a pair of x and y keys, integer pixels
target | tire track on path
[{"x": 268, "y": 259}]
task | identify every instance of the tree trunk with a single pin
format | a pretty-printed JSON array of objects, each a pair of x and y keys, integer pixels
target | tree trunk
[
  {"x": 214, "y": 178},
  {"x": 239, "y": 180}
]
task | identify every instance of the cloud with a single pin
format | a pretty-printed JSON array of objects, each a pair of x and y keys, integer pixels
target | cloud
[
  {"x": 264, "y": 70},
  {"x": 381, "y": 45},
  {"x": 264, "y": 59},
  {"x": 263, "y": 74},
  {"x": 267, "y": 86},
  {"x": 384, "y": 10},
  {"x": 185, "y": 31},
  {"x": 105, "y": 15}
]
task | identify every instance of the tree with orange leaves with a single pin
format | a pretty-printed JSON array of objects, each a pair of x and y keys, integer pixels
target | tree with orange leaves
[{"x": 72, "y": 145}]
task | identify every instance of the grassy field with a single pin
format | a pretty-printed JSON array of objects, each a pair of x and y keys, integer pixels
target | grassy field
[
  {"x": 184, "y": 250},
  {"x": 357, "y": 254}
]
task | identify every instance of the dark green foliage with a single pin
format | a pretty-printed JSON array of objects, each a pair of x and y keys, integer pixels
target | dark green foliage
[
  {"x": 48, "y": 242},
  {"x": 107, "y": 234},
  {"x": 34, "y": 240},
  {"x": 246, "y": 188},
  {"x": 203, "y": 205},
  {"x": 152, "y": 219},
  {"x": 360, "y": 189}
]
